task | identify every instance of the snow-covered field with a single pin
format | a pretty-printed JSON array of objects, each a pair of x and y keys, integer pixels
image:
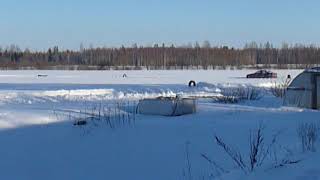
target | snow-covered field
[
  {"x": 135, "y": 77},
  {"x": 39, "y": 141}
]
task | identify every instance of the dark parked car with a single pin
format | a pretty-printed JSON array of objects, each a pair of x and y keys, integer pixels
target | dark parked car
[{"x": 262, "y": 74}]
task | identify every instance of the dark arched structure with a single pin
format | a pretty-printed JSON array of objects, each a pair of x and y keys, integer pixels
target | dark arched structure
[{"x": 192, "y": 83}]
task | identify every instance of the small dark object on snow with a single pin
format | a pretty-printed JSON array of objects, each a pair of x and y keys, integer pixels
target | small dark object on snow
[
  {"x": 262, "y": 74},
  {"x": 42, "y": 75},
  {"x": 192, "y": 83},
  {"x": 80, "y": 123},
  {"x": 124, "y": 76}
]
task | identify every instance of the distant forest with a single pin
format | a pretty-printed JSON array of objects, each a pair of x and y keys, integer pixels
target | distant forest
[{"x": 202, "y": 56}]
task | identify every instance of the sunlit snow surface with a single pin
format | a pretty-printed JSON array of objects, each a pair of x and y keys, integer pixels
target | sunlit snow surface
[{"x": 137, "y": 77}]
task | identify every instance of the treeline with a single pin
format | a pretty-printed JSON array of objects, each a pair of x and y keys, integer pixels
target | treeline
[{"x": 163, "y": 57}]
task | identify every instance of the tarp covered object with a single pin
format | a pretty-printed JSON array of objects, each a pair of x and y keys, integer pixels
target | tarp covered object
[{"x": 167, "y": 106}]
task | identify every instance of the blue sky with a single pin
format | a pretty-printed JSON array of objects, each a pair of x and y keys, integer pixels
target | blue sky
[{"x": 39, "y": 24}]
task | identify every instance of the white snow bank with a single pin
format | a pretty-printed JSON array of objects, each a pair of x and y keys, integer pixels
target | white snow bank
[
  {"x": 78, "y": 92},
  {"x": 14, "y": 119}
]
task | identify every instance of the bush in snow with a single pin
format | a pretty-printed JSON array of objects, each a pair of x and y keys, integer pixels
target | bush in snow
[
  {"x": 227, "y": 99},
  {"x": 279, "y": 89},
  {"x": 254, "y": 93},
  {"x": 115, "y": 115},
  {"x": 187, "y": 174},
  {"x": 308, "y": 134},
  {"x": 235, "y": 95},
  {"x": 260, "y": 151}
]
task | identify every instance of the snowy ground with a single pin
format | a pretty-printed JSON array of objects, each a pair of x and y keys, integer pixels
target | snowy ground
[
  {"x": 137, "y": 77},
  {"x": 38, "y": 140}
]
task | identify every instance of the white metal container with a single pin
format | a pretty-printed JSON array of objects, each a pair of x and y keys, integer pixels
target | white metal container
[{"x": 167, "y": 106}]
